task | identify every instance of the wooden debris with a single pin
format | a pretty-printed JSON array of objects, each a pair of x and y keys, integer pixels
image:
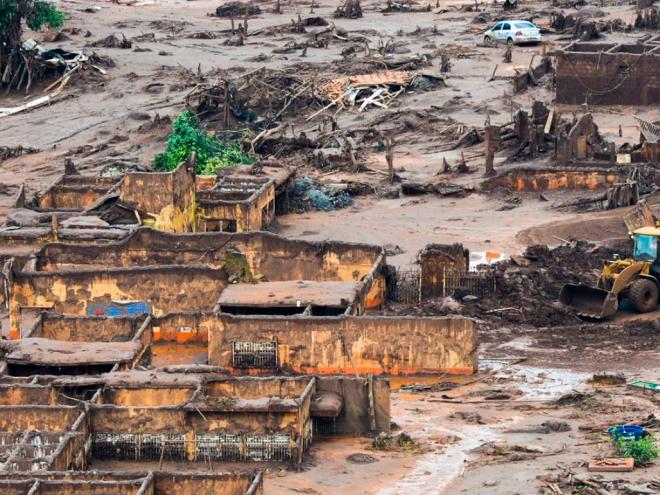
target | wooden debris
[{"x": 612, "y": 465}]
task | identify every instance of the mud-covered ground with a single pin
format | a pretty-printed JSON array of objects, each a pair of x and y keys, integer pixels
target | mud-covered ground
[{"x": 486, "y": 437}]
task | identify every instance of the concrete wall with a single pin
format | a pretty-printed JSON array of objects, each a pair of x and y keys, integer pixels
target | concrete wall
[
  {"x": 147, "y": 396},
  {"x": 37, "y": 417},
  {"x": 203, "y": 484},
  {"x": 166, "y": 199},
  {"x": 436, "y": 258},
  {"x": 24, "y": 394},
  {"x": 248, "y": 214},
  {"x": 165, "y": 289},
  {"x": 611, "y": 78},
  {"x": 85, "y": 329},
  {"x": 527, "y": 179},
  {"x": 90, "y": 488},
  {"x": 118, "y": 483},
  {"x": 183, "y": 327},
  {"x": 73, "y": 192},
  {"x": 150, "y": 420},
  {"x": 379, "y": 345},
  {"x": 270, "y": 255},
  {"x": 254, "y": 388}
]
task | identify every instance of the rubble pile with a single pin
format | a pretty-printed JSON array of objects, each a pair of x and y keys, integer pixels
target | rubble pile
[
  {"x": 532, "y": 282},
  {"x": 237, "y": 9},
  {"x": 310, "y": 195},
  {"x": 350, "y": 9},
  {"x": 526, "y": 287},
  {"x": 112, "y": 41}
]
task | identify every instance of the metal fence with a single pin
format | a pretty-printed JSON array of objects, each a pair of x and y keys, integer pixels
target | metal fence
[
  {"x": 406, "y": 285},
  {"x": 473, "y": 283},
  {"x": 207, "y": 447},
  {"x": 254, "y": 354}
]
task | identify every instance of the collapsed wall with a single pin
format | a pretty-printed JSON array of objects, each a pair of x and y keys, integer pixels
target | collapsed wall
[
  {"x": 165, "y": 200},
  {"x": 435, "y": 260}
]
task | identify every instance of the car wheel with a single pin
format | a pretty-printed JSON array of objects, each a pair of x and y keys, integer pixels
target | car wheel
[
  {"x": 509, "y": 41},
  {"x": 643, "y": 295},
  {"x": 486, "y": 40}
]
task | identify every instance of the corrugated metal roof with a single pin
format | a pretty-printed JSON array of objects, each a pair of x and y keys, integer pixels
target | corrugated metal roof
[
  {"x": 650, "y": 130},
  {"x": 335, "y": 88}
]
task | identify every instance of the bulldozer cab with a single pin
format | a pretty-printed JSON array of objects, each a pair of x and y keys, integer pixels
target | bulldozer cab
[{"x": 646, "y": 248}]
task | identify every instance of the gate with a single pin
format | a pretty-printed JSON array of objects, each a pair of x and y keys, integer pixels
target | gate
[
  {"x": 473, "y": 283},
  {"x": 405, "y": 286}
]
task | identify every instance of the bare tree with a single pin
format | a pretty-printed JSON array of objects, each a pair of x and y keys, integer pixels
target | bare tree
[{"x": 389, "y": 156}]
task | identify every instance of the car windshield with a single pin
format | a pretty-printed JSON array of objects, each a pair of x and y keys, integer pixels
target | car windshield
[
  {"x": 646, "y": 247},
  {"x": 524, "y": 25}
]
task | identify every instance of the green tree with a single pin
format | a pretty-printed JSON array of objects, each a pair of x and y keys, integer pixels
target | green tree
[
  {"x": 212, "y": 154},
  {"x": 36, "y": 14}
]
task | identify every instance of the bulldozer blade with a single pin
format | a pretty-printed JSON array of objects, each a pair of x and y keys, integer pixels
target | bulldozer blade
[{"x": 589, "y": 301}]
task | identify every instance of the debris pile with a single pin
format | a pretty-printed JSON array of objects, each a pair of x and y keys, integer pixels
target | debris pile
[
  {"x": 440, "y": 188},
  {"x": 532, "y": 282},
  {"x": 349, "y": 9},
  {"x": 405, "y": 6},
  {"x": 308, "y": 195},
  {"x": 39, "y": 63},
  {"x": 526, "y": 287},
  {"x": 112, "y": 41},
  {"x": 260, "y": 98},
  {"x": 237, "y": 9},
  {"x": 378, "y": 89},
  {"x": 7, "y": 152}
]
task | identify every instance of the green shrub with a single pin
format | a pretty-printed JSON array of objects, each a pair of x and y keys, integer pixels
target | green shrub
[
  {"x": 45, "y": 13},
  {"x": 643, "y": 450},
  {"x": 37, "y": 14},
  {"x": 212, "y": 154}
]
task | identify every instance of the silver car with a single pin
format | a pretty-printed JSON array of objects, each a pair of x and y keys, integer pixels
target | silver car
[{"x": 511, "y": 32}]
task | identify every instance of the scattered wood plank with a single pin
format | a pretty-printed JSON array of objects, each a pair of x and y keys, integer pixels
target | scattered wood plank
[{"x": 612, "y": 465}]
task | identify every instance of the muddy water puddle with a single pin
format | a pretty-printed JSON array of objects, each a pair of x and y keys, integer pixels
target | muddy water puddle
[{"x": 451, "y": 442}]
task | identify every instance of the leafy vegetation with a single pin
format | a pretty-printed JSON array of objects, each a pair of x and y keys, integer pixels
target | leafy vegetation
[
  {"x": 36, "y": 14},
  {"x": 212, "y": 154},
  {"x": 643, "y": 450}
]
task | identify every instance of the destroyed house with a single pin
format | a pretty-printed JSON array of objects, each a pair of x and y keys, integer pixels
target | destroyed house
[
  {"x": 316, "y": 326},
  {"x": 73, "y": 193},
  {"x": 133, "y": 483},
  {"x": 609, "y": 73},
  {"x": 168, "y": 273},
  {"x": 584, "y": 160},
  {"x": 180, "y": 418},
  {"x": 65, "y": 345},
  {"x": 236, "y": 204},
  {"x": 87, "y": 209},
  {"x": 253, "y": 303}
]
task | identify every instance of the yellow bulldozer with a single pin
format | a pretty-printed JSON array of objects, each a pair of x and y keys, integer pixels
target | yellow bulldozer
[{"x": 636, "y": 279}]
